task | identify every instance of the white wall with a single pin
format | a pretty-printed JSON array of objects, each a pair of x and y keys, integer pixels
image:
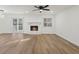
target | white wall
[
  {"x": 67, "y": 24},
  {"x": 6, "y": 23}
]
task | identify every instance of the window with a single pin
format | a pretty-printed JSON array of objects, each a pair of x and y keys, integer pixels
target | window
[
  {"x": 20, "y": 24},
  {"x": 17, "y": 24},
  {"x": 47, "y": 22}
]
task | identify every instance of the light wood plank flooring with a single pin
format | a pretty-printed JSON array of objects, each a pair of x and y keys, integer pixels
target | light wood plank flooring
[{"x": 35, "y": 44}]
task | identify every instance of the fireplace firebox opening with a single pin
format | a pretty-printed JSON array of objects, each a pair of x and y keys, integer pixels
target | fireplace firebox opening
[{"x": 33, "y": 28}]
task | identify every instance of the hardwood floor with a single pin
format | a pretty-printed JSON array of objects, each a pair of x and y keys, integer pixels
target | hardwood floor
[{"x": 35, "y": 44}]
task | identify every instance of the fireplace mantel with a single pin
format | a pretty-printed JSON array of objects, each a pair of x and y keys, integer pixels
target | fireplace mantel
[{"x": 34, "y": 23}]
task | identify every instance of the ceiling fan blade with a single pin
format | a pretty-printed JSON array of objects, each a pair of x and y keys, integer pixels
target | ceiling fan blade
[
  {"x": 2, "y": 10},
  {"x": 46, "y": 6},
  {"x": 36, "y": 7},
  {"x": 47, "y": 9}
]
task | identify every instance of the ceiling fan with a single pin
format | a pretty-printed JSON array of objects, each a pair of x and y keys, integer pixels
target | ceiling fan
[
  {"x": 2, "y": 12},
  {"x": 41, "y": 8}
]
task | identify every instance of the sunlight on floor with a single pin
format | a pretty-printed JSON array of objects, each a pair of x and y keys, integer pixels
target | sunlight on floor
[{"x": 25, "y": 39}]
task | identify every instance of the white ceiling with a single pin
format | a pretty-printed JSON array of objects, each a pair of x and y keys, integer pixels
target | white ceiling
[{"x": 29, "y": 8}]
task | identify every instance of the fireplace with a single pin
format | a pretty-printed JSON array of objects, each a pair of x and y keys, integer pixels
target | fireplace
[{"x": 33, "y": 28}]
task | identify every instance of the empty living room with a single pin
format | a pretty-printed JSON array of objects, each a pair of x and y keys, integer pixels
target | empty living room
[{"x": 39, "y": 29}]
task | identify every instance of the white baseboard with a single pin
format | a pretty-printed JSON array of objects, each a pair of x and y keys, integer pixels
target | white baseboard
[{"x": 75, "y": 43}]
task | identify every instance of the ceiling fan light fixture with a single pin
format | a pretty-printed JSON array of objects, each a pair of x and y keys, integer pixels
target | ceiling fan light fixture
[{"x": 41, "y": 10}]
